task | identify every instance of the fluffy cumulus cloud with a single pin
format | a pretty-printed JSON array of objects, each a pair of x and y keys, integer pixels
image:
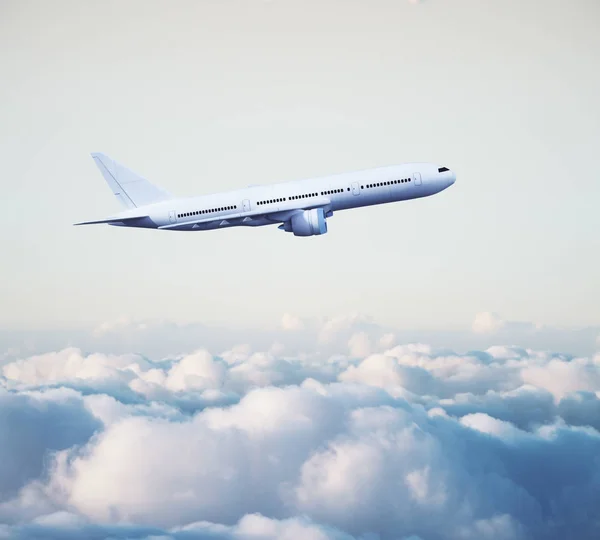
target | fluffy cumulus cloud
[
  {"x": 380, "y": 440},
  {"x": 487, "y": 322}
]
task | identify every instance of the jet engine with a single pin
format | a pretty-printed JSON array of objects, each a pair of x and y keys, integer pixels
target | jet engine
[{"x": 307, "y": 223}]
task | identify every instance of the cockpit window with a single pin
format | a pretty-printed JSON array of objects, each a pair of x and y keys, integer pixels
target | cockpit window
[{"x": 443, "y": 169}]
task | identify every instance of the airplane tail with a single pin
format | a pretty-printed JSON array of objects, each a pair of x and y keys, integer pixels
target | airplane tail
[{"x": 129, "y": 188}]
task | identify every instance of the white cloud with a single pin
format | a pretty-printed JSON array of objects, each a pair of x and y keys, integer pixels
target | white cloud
[
  {"x": 387, "y": 340},
  {"x": 32, "y": 424},
  {"x": 198, "y": 371},
  {"x": 413, "y": 442},
  {"x": 344, "y": 325},
  {"x": 561, "y": 377},
  {"x": 490, "y": 425},
  {"x": 329, "y": 335},
  {"x": 65, "y": 525},
  {"x": 487, "y": 322},
  {"x": 120, "y": 324},
  {"x": 70, "y": 364},
  {"x": 359, "y": 344},
  {"x": 291, "y": 322}
]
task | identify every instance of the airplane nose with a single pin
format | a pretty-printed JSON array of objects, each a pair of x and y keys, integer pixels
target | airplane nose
[{"x": 446, "y": 177}]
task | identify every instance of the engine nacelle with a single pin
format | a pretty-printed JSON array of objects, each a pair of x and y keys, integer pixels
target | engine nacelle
[{"x": 307, "y": 223}]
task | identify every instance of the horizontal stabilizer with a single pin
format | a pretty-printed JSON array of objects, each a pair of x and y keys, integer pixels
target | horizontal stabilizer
[{"x": 111, "y": 220}]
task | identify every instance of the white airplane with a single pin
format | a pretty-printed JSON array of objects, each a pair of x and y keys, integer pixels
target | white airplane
[{"x": 300, "y": 207}]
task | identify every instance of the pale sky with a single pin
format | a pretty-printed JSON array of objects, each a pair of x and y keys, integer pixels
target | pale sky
[{"x": 206, "y": 96}]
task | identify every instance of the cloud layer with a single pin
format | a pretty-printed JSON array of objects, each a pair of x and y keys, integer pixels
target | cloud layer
[
  {"x": 377, "y": 441},
  {"x": 355, "y": 333}
]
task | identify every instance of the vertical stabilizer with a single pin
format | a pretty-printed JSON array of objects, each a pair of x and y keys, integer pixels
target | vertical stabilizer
[{"x": 129, "y": 188}]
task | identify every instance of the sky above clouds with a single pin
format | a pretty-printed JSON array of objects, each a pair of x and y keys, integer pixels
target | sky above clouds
[
  {"x": 210, "y": 96},
  {"x": 425, "y": 371}
]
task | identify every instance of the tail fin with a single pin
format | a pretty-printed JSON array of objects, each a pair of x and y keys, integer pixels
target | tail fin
[{"x": 131, "y": 190}]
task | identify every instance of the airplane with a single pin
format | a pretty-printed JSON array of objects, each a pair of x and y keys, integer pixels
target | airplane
[{"x": 300, "y": 207}]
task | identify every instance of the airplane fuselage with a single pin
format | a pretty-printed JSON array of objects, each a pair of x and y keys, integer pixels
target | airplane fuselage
[{"x": 277, "y": 203}]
